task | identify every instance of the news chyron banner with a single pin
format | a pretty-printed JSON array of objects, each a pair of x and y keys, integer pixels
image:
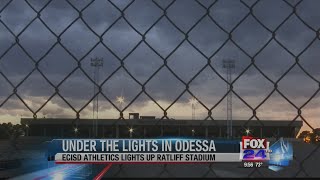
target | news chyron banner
[
  {"x": 253, "y": 152},
  {"x": 143, "y": 150}
]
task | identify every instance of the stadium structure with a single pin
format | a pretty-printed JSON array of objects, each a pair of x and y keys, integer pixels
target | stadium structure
[{"x": 150, "y": 127}]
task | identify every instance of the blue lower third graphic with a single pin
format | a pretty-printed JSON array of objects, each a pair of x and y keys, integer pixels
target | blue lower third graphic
[{"x": 282, "y": 154}]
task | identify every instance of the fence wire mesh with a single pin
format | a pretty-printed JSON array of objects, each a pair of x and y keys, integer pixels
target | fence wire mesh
[{"x": 101, "y": 37}]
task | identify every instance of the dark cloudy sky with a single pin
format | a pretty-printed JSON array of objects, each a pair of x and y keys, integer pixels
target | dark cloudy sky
[{"x": 206, "y": 40}]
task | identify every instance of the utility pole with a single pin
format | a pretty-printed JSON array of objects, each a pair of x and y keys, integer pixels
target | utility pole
[
  {"x": 96, "y": 63},
  {"x": 229, "y": 65}
]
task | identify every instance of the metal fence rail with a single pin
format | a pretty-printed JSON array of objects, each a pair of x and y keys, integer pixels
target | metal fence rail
[{"x": 144, "y": 40}]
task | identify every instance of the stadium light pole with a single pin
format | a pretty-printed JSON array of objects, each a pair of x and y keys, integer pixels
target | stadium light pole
[
  {"x": 96, "y": 63},
  {"x": 193, "y": 101},
  {"x": 229, "y": 65}
]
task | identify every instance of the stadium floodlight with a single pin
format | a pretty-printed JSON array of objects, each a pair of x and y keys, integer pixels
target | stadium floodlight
[
  {"x": 247, "y": 131},
  {"x": 96, "y": 62},
  {"x": 193, "y": 101},
  {"x": 27, "y": 130},
  {"x": 131, "y": 130},
  {"x": 120, "y": 99}
]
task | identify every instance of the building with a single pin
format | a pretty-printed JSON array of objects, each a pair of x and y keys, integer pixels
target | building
[{"x": 147, "y": 128}]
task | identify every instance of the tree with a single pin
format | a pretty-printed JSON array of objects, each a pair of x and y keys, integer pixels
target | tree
[
  {"x": 303, "y": 134},
  {"x": 12, "y": 132}
]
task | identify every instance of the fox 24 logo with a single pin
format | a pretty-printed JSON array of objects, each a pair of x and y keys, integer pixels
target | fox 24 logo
[{"x": 254, "y": 149}]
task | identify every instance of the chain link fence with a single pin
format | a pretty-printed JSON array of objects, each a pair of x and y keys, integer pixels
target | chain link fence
[{"x": 99, "y": 37}]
